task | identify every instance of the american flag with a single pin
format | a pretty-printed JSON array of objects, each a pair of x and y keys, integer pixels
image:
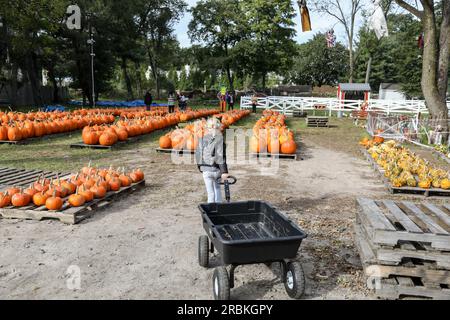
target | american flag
[{"x": 331, "y": 39}]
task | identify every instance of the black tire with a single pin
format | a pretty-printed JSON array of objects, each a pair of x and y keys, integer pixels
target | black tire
[
  {"x": 221, "y": 284},
  {"x": 295, "y": 280},
  {"x": 203, "y": 251}
]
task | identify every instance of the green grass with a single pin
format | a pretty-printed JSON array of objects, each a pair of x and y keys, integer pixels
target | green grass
[{"x": 55, "y": 154}]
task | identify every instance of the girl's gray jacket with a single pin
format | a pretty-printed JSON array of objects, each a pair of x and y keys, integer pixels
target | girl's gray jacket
[{"x": 211, "y": 154}]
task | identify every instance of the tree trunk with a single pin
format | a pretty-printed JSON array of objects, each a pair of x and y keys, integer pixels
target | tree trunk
[
  {"x": 154, "y": 66},
  {"x": 352, "y": 67},
  {"x": 230, "y": 78},
  {"x": 34, "y": 80},
  {"x": 264, "y": 76},
  {"x": 138, "y": 78},
  {"x": 444, "y": 45},
  {"x": 435, "y": 102},
  {"x": 51, "y": 74},
  {"x": 127, "y": 79},
  {"x": 14, "y": 88}
]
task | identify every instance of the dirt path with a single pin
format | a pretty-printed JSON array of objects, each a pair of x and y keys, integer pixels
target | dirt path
[{"x": 145, "y": 247}]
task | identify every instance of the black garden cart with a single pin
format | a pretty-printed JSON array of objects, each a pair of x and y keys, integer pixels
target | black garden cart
[{"x": 245, "y": 233}]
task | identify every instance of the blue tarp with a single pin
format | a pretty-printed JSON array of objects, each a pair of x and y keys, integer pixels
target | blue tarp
[
  {"x": 54, "y": 108},
  {"x": 119, "y": 104}
]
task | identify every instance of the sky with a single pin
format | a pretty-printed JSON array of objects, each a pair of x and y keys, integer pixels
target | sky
[{"x": 320, "y": 24}]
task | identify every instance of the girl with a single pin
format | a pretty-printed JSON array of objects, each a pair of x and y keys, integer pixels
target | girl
[{"x": 211, "y": 159}]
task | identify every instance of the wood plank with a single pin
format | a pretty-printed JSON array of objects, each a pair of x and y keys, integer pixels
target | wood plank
[
  {"x": 376, "y": 216},
  {"x": 388, "y": 290},
  {"x": 407, "y": 223},
  {"x": 438, "y": 212},
  {"x": 70, "y": 215},
  {"x": 12, "y": 178},
  {"x": 433, "y": 226},
  {"x": 10, "y": 172}
]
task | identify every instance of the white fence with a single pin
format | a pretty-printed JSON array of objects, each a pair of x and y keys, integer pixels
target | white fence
[{"x": 289, "y": 105}]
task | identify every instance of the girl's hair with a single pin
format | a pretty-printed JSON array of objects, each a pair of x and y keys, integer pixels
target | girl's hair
[{"x": 213, "y": 123}]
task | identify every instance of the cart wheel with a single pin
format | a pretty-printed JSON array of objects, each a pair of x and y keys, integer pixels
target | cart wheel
[
  {"x": 221, "y": 284},
  {"x": 295, "y": 280},
  {"x": 203, "y": 251}
]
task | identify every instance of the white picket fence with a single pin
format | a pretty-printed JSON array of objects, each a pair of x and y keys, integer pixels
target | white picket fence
[{"x": 290, "y": 105}]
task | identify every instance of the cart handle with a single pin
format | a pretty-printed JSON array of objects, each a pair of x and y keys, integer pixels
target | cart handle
[{"x": 230, "y": 181}]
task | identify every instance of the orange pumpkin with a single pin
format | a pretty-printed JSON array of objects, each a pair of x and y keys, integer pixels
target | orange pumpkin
[
  {"x": 289, "y": 147},
  {"x": 165, "y": 142},
  {"x": 39, "y": 199},
  {"x": 5, "y": 200}
]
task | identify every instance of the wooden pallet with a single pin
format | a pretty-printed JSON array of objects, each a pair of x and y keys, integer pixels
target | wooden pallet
[
  {"x": 441, "y": 156},
  {"x": 423, "y": 270},
  {"x": 67, "y": 215},
  {"x": 32, "y": 140},
  {"x": 23, "y": 178},
  {"x": 389, "y": 223},
  {"x": 411, "y": 279},
  {"x": 432, "y": 192},
  {"x": 317, "y": 122},
  {"x": 405, "y": 251},
  {"x": 119, "y": 144},
  {"x": 400, "y": 288},
  {"x": 275, "y": 156},
  {"x": 175, "y": 151}
]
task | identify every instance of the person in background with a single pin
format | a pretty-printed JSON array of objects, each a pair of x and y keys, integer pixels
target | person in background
[
  {"x": 148, "y": 100},
  {"x": 183, "y": 102},
  {"x": 230, "y": 100},
  {"x": 254, "y": 103},
  {"x": 222, "y": 101},
  {"x": 171, "y": 102},
  {"x": 211, "y": 159}
]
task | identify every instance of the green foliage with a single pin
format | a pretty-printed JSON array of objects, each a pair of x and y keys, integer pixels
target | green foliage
[
  {"x": 316, "y": 64},
  {"x": 395, "y": 59}
]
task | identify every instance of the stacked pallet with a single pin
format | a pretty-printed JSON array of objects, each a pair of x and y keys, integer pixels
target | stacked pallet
[
  {"x": 317, "y": 122},
  {"x": 405, "y": 248}
]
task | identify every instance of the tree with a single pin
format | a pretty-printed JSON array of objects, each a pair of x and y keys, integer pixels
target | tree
[
  {"x": 435, "y": 55},
  {"x": 338, "y": 10},
  {"x": 316, "y": 64},
  {"x": 156, "y": 22},
  {"x": 395, "y": 59},
  {"x": 219, "y": 25},
  {"x": 270, "y": 45}
]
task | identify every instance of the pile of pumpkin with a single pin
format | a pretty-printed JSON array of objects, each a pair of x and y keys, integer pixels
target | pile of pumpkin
[
  {"x": 21, "y": 126},
  {"x": 108, "y": 135},
  {"x": 405, "y": 168},
  {"x": 187, "y": 138},
  {"x": 270, "y": 134},
  {"x": 124, "y": 113},
  {"x": 82, "y": 188}
]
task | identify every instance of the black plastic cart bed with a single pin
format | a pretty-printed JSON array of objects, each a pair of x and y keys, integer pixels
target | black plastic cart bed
[{"x": 250, "y": 232}]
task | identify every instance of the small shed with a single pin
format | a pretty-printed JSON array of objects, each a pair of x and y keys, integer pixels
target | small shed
[
  {"x": 354, "y": 91},
  {"x": 391, "y": 91}
]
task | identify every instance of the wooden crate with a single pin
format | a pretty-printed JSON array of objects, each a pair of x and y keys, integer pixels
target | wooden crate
[
  {"x": 67, "y": 215},
  {"x": 23, "y": 178},
  {"x": 317, "y": 122},
  {"x": 410, "y": 279},
  {"x": 390, "y": 223},
  {"x": 432, "y": 192}
]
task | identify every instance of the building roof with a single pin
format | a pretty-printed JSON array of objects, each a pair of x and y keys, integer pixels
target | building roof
[
  {"x": 391, "y": 86},
  {"x": 355, "y": 87}
]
